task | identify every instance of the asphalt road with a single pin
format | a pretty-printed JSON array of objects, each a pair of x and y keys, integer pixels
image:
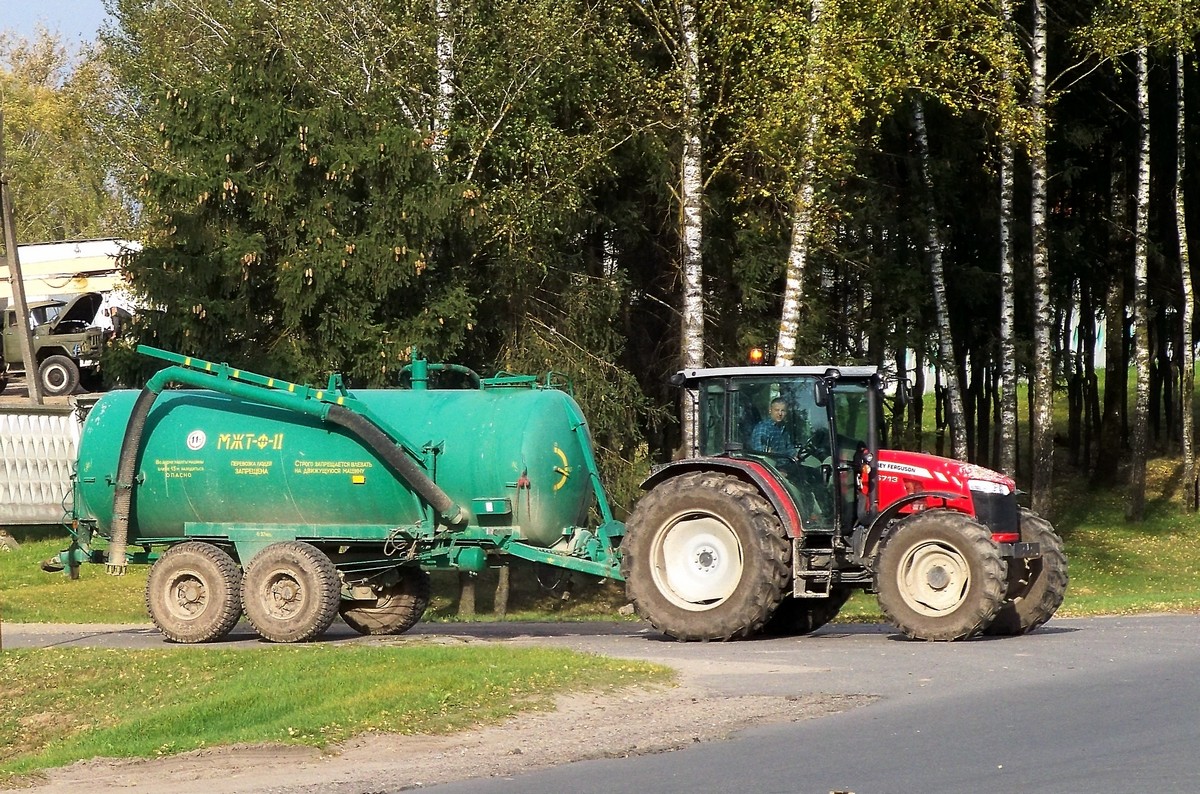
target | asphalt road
[{"x": 1083, "y": 705}]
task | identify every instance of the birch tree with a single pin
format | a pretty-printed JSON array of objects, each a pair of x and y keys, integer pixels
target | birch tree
[
  {"x": 933, "y": 251},
  {"x": 691, "y": 187},
  {"x": 1136, "y": 505},
  {"x": 1042, "y": 446},
  {"x": 1183, "y": 37},
  {"x": 1008, "y": 351},
  {"x": 797, "y": 258}
]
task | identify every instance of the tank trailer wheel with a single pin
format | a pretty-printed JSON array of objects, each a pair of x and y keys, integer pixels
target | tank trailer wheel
[
  {"x": 1035, "y": 587},
  {"x": 797, "y": 616},
  {"x": 399, "y": 606},
  {"x": 291, "y": 592},
  {"x": 194, "y": 593},
  {"x": 58, "y": 375},
  {"x": 705, "y": 558},
  {"x": 940, "y": 576}
]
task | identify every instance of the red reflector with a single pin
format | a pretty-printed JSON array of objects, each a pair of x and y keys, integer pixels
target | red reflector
[{"x": 1006, "y": 537}]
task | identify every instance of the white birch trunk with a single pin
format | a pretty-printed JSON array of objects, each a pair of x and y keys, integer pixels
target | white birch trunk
[
  {"x": 1042, "y": 452},
  {"x": 1185, "y": 273},
  {"x": 797, "y": 260},
  {"x": 691, "y": 224},
  {"x": 1008, "y": 350},
  {"x": 933, "y": 248},
  {"x": 1136, "y": 504},
  {"x": 444, "y": 102}
]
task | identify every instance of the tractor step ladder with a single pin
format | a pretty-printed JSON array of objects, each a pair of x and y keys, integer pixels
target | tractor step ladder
[{"x": 812, "y": 570}]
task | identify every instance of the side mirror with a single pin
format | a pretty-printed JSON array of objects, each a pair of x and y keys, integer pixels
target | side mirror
[{"x": 821, "y": 394}]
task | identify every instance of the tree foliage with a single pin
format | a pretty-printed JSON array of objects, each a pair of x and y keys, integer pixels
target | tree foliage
[
  {"x": 59, "y": 168},
  {"x": 304, "y": 208}
]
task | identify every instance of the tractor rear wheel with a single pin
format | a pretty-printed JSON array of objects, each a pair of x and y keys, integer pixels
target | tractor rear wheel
[
  {"x": 705, "y": 558},
  {"x": 194, "y": 593},
  {"x": 797, "y": 616},
  {"x": 397, "y": 609},
  {"x": 291, "y": 592},
  {"x": 940, "y": 576},
  {"x": 1035, "y": 587}
]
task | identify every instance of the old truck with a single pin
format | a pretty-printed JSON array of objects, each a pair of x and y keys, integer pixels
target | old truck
[
  {"x": 293, "y": 504},
  {"x": 66, "y": 342}
]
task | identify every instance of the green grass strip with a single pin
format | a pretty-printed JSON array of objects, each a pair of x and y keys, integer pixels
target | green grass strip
[{"x": 62, "y": 705}]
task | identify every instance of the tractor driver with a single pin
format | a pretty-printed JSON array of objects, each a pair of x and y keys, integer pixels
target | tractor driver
[{"x": 771, "y": 434}]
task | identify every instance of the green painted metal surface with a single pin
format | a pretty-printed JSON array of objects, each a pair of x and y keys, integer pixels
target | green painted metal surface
[{"x": 250, "y": 461}]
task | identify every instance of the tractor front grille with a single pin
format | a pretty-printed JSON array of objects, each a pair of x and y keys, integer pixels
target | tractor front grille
[{"x": 998, "y": 512}]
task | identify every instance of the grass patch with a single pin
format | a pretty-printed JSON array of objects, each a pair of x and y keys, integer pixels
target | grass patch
[
  {"x": 30, "y": 595},
  {"x": 62, "y": 705}
]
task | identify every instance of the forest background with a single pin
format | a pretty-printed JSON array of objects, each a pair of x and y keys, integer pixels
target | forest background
[{"x": 994, "y": 193}]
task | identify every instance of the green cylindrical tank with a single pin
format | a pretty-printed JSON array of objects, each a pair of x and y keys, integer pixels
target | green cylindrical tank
[{"x": 210, "y": 458}]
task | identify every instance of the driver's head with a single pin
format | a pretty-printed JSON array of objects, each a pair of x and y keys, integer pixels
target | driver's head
[{"x": 778, "y": 410}]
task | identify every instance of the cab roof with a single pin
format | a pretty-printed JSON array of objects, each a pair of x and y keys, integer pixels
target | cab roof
[{"x": 686, "y": 377}]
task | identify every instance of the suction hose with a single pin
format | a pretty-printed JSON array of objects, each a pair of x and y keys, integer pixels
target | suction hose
[
  {"x": 359, "y": 426},
  {"x": 379, "y": 443},
  {"x": 131, "y": 444}
]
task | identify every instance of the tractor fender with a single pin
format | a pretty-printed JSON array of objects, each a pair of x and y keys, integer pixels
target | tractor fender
[
  {"x": 871, "y": 538},
  {"x": 756, "y": 473}
]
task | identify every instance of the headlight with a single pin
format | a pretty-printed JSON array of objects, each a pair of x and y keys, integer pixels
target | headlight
[{"x": 987, "y": 486}]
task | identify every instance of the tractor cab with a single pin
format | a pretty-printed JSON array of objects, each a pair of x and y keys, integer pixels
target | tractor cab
[{"x": 814, "y": 428}]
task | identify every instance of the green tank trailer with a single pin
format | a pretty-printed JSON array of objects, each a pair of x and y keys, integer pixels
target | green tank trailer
[{"x": 292, "y": 503}]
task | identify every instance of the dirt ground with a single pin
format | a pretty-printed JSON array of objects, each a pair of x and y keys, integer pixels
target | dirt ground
[
  {"x": 16, "y": 393},
  {"x": 583, "y": 726}
]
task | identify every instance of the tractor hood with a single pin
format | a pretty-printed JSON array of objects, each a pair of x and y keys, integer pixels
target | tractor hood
[{"x": 934, "y": 473}]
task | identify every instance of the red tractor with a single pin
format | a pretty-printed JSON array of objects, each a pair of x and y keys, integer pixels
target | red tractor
[{"x": 791, "y": 505}]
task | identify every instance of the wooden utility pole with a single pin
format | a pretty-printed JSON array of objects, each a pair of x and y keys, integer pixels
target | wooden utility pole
[{"x": 18, "y": 283}]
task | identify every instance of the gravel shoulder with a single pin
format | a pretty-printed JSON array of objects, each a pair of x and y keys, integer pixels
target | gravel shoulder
[{"x": 595, "y": 725}]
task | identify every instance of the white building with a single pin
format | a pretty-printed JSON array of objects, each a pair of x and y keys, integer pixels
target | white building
[{"x": 65, "y": 268}]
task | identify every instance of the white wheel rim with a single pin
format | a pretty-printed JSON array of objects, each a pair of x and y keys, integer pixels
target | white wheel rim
[
  {"x": 55, "y": 377},
  {"x": 697, "y": 561},
  {"x": 186, "y": 595},
  {"x": 934, "y": 578},
  {"x": 284, "y": 595}
]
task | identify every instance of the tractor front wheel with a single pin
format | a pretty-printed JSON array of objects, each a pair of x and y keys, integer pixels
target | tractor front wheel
[
  {"x": 705, "y": 558},
  {"x": 1035, "y": 587},
  {"x": 397, "y": 609},
  {"x": 193, "y": 593},
  {"x": 940, "y": 576},
  {"x": 291, "y": 592}
]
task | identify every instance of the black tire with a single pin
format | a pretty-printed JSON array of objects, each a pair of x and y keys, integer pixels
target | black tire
[
  {"x": 797, "y": 616},
  {"x": 940, "y": 576},
  {"x": 705, "y": 558},
  {"x": 291, "y": 592},
  {"x": 399, "y": 606},
  {"x": 1035, "y": 587},
  {"x": 58, "y": 375},
  {"x": 194, "y": 593}
]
